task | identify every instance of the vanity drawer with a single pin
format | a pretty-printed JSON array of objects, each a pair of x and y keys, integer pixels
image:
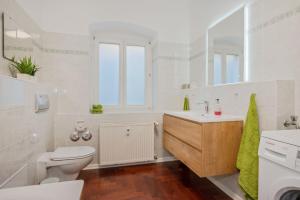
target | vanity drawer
[
  {"x": 207, "y": 148},
  {"x": 190, "y": 156},
  {"x": 186, "y": 131}
]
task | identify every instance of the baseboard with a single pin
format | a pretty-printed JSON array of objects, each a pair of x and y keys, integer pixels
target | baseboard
[
  {"x": 92, "y": 166},
  {"x": 159, "y": 160},
  {"x": 225, "y": 189},
  {"x": 165, "y": 159}
]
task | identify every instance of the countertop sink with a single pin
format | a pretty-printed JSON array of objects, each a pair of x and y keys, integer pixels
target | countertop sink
[{"x": 204, "y": 118}]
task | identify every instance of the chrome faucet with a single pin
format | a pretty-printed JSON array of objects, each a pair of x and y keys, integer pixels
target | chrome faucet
[
  {"x": 206, "y": 106},
  {"x": 292, "y": 122}
]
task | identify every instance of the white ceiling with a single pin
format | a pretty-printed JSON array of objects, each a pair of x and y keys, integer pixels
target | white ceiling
[
  {"x": 204, "y": 13},
  {"x": 174, "y": 20}
]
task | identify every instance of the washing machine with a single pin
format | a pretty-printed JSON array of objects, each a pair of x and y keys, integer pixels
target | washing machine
[{"x": 279, "y": 165}]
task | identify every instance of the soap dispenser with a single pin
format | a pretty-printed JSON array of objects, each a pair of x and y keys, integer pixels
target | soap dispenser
[
  {"x": 218, "y": 108},
  {"x": 186, "y": 104}
]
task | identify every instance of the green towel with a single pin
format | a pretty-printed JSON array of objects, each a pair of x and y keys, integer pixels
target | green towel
[{"x": 247, "y": 161}]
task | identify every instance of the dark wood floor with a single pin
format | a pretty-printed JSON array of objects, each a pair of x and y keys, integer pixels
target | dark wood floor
[{"x": 162, "y": 181}]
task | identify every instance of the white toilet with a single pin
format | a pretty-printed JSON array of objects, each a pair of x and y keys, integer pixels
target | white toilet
[{"x": 64, "y": 163}]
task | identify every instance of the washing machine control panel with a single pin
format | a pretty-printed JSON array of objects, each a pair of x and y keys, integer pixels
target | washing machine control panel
[{"x": 281, "y": 153}]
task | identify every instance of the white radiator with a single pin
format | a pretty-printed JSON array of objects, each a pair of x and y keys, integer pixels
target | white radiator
[{"x": 126, "y": 143}]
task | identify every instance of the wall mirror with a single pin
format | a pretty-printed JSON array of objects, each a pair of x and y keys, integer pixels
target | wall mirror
[
  {"x": 226, "y": 50},
  {"x": 16, "y": 42}
]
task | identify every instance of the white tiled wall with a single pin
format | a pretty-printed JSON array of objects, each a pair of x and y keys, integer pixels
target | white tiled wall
[
  {"x": 170, "y": 71},
  {"x": 197, "y": 71},
  {"x": 18, "y": 147},
  {"x": 18, "y": 121},
  {"x": 66, "y": 66},
  {"x": 275, "y": 100},
  {"x": 274, "y": 52},
  {"x": 274, "y": 29}
]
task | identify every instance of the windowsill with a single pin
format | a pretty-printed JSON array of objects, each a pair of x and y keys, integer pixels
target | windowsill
[
  {"x": 112, "y": 113},
  {"x": 228, "y": 84},
  {"x": 118, "y": 113}
]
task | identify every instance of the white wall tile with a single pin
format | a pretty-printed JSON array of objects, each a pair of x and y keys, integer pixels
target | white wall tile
[{"x": 18, "y": 123}]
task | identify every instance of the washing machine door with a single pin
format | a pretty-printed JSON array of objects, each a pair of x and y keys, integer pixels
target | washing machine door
[
  {"x": 286, "y": 189},
  {"x": 292, "y": 194}
]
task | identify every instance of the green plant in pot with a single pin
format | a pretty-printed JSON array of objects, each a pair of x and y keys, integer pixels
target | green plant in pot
[{"x": 24, "y": 68}]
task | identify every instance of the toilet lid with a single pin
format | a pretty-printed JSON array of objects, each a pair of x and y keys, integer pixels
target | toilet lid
[{"x": 70, "y": 153}]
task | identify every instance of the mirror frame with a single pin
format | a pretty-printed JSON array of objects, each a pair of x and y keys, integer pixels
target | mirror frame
[
  {"x": 3, "y": 38},
  {"x": 3, "y": 45}
]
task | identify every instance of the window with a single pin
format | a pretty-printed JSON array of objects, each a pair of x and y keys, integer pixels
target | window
[
  {"x": 232, "y": 69},
  {"x": 123, "y": 75},
  {"x": 109, "y": 74},
  {"x": 135, "y": 71},
  {"x": 217, "y": 69},
  {"x": 226, "y": 68}
]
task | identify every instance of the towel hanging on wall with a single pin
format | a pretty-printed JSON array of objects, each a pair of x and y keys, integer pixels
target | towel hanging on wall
[{"x": 247, "y": 161}]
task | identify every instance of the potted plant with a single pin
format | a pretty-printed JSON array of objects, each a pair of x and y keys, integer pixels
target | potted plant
[{"x": 24, "y": 69}]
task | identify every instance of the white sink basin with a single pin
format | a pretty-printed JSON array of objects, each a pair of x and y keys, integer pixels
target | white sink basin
[
  {"x": 70, "y": 190},
  {"x": 205, "y": 118}
]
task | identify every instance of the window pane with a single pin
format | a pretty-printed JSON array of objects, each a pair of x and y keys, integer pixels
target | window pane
[
  {"x": 217, "y": 69},
  {"x": 135, "y": 65},
  {"x": 109, "y": 70},
  {"x": 232, "y": 69}
]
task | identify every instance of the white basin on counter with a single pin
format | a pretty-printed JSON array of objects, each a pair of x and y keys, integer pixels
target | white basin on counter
[
  {"x": 69, "y": 190},
  {"x": 204, "y": 118}
]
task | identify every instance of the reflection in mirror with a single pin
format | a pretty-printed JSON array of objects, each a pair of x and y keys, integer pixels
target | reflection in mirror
[
  {"x": 17, "y": 43},
  {"x": 226, "y": 50}
]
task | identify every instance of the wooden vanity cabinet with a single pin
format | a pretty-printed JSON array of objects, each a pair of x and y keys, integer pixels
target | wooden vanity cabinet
[{"x": 208, "y": 149}]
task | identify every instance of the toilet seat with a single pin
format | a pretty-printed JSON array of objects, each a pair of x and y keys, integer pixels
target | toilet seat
[{"x": 71, "y": 153}]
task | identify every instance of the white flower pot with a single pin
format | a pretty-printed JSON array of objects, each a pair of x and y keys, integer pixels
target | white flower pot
[{"x": 26, "y": 77}]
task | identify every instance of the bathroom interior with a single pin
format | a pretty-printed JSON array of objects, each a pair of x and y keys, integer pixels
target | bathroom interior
[{"x": 141, "y": 100}]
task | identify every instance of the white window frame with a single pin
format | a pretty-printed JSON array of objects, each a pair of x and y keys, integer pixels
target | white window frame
[{"x": 123, "y": 41}]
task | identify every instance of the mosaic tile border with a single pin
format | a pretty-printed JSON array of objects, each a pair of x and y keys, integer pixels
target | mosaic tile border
[
  {"x": 14, "y": 48},
  {"x": 171, "y": 58},
  {"x": 37, "y": 45},
  {"x": 65, "y": 52},
  {"x": 274, "y": 20},
  {"x": 60, "y": 51}
]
